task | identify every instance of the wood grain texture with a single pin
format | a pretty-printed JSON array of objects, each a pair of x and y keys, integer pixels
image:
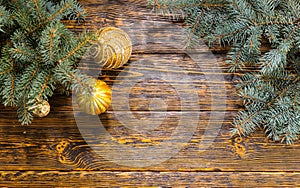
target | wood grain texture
[
  {"x": 161, "y": 89},
  {"x": 48, "y": 144},
  {"x": 148, "y": 179}
]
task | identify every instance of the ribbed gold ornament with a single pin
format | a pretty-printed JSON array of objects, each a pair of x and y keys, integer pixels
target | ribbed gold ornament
[
  {"x": 97, "y": 101},
  {"x": 112, "y": 49}
]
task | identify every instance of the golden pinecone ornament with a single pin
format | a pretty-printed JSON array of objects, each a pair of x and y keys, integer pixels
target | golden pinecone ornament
[
  {"x": 112, "y": 49},
  {"x": 98, "y": 100},
  {"x": 42, "y": 109}
]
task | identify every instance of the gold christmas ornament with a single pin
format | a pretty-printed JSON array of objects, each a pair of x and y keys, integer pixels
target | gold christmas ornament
[
  {"x": 112, "y": 49},
  {"x": 41, "y": 110},
  {"x": 97, "y": 101}
]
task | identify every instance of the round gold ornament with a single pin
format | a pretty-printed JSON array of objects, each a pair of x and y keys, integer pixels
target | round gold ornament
[
  {"x": 97, "y": 101},
  {"x": 112, "y": 49},
  {"x": 42, "y": 109}
]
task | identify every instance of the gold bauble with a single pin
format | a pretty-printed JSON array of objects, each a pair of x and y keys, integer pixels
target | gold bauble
[
  {"x": 42, "y": 109},
  {"x": 97, "y": 101},
  {"x": 112, "y": 49}
]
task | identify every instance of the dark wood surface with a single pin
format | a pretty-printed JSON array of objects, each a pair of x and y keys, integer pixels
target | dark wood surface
[{"x": 53, "y": 151}]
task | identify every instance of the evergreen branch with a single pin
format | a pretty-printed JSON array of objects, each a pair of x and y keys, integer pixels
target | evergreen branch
[
  {"x": 250, "y": 82},
  {"x": 8, "y": 90},
  {"x": 245, "y": 96},
  {"x": 295, "y": 81},
  {"x": 76, "y": 79},
  {"x": 75, "y": 50},
  {"x": 213, "y": 21},
  {"x": 52, "y": 17},
  {"x": 271, "y": 92},
  {"x": 232, "y": 33},
  {"x": 58, "y": 13},
  {"x": 165, "y": 6},
  {"x": 33, "y": 46},
  {"x": 24, "y": 115},
  {"x": 268, "y": 23},
  {"x": 12, "y": 89},
  {"x": 20, "y": 51},
  {"x": 182, "y": 6},
  {"x": 67, "y": 77},
  {"x": 242, "y": 12},
  {"x": 257, "y": 25},
  {"x": 4, "y": 18},
  {"x": 209, "y": 5},
  {"x": 240, "y": 127},
  {"x": 6, "y": 71},
  {"x": 44, "y": 86},
  {"x": 295, "y": 98},
  {"x": 194, "y": 27},
  {"x": 292, "y": 33},
  {"x": 273, "y": 77},
  {"x": 280, "y": 113},
  {"x": 297, "y": 20},
  {"x": 236, "y": 63},
  {"x": 34, "y": 73},
  {"x": 51, "y": 45},
  {"x": 37, "y": 9},
  {"x": 274, "y": 57}
]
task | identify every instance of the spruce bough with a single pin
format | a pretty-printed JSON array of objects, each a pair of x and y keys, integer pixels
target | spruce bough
[
  {"x": 271, "y": 94},
  {"x": 39, "y": 54}
]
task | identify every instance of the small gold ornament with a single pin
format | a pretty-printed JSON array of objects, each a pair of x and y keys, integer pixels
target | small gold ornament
[
  {"x": 97, "y": 101},
  {"x": 41, "y": 110},
  {"x": 112, "y": 49}
]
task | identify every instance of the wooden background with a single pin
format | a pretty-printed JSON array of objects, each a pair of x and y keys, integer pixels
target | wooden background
[{"x": 52, "y": 152}]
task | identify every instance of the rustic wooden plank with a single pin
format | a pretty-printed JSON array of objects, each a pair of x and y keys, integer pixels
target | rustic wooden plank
[
  {"x": 149, "y": 31},
  {"x": 57, "y": 144},
  {"x": 173, "y": 78},
  {"x": 30, "y": 146},
  {"x": 147, "y": 179},
  {"x": 143, "y": 26}
]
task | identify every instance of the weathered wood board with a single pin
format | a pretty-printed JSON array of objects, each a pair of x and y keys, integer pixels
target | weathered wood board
[{"x": 165, "y": 101}]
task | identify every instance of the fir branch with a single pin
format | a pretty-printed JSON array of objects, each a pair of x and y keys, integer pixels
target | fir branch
[
  {"x": 37, "y": 8},
  {"x": 271, "y": 91},
  {"x": 58, "y": 13},
  {"x": 238, "y": 30},
  {"x": 179, "y": 5},
  {"x": 247, "y": 6},
  {"x": 295, "y": 98},
  {"x": 25, "y": 117},
  {"x": 51, "y": 46},
  {"x": 8, "y": 79},
  {"x": 235, "y": 55},
  {"x": 79, "y": 82},
  {"x": 294, "y": 82},
  {"x": 88, "y": 39},
  {"x": 4, "y": 18},
  {"x": 34, "y": 73},
  {"x": 44, "y": 86},
  {"x": 10, "y": 101},
  {"x": 35, "y": 50},
  {"x": 6, "y": 71},
  {"x": 50, "y": 43},
  {"x": 195, "y": 25},
  {"x": 241, "y": 127}
]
